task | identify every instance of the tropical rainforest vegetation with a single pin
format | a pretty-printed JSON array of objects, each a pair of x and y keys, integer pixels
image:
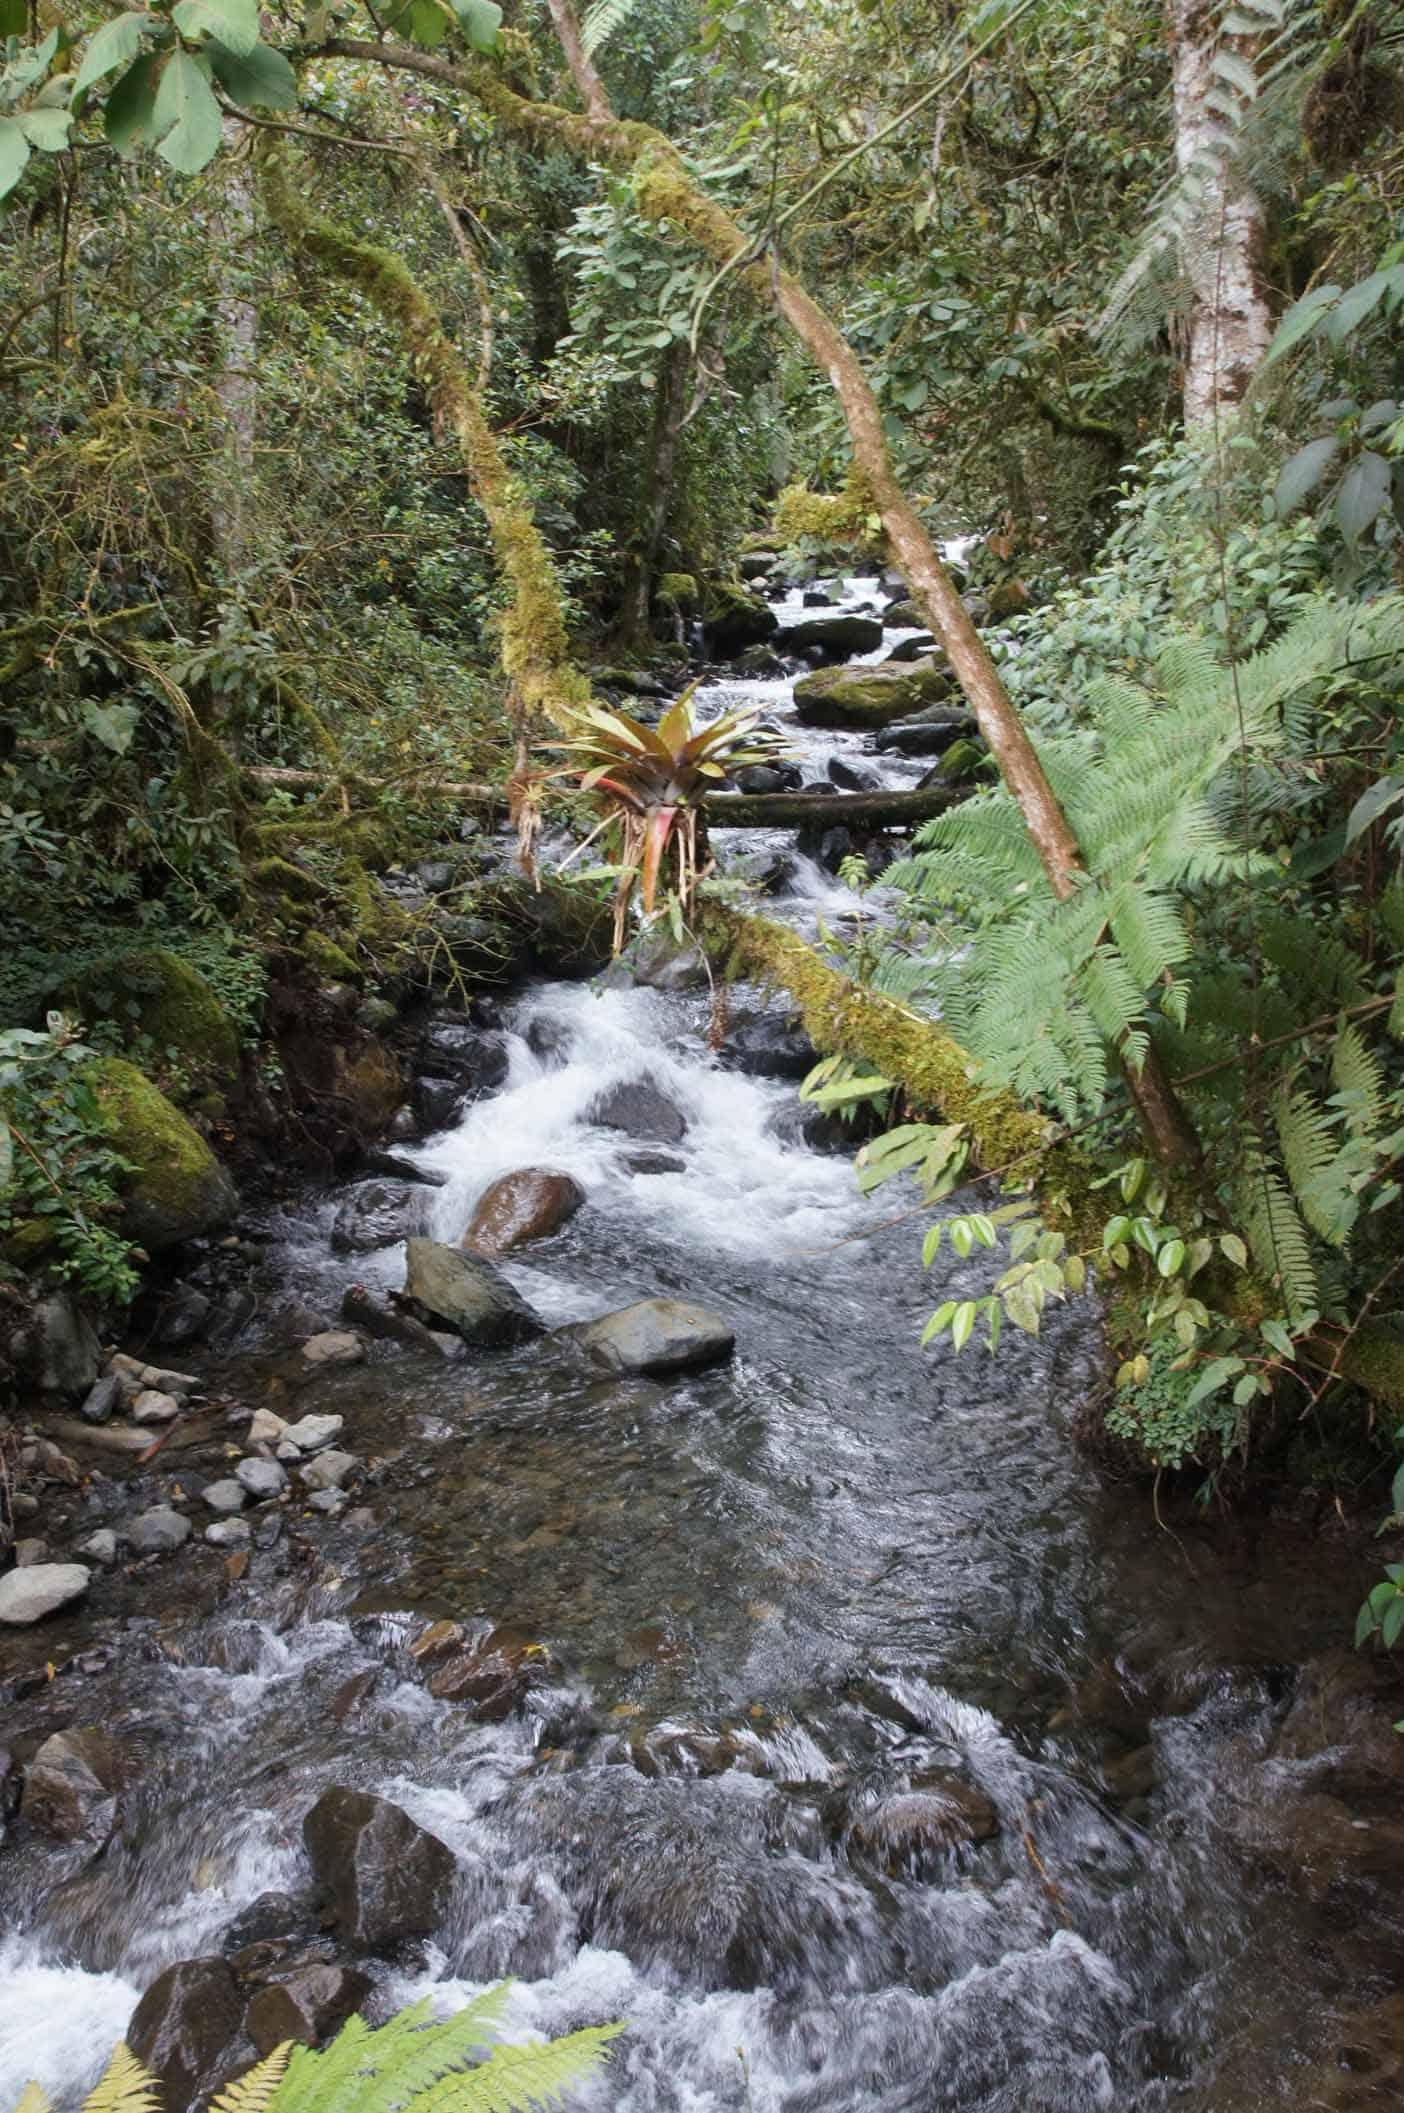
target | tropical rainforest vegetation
[{"x": 373, "y": 372}]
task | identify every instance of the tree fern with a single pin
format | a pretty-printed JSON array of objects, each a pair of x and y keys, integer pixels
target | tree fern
[{"x": 602, "y": 20}]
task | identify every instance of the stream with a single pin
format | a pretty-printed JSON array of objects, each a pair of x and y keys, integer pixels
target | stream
[{"x": 784, "y": 1605}]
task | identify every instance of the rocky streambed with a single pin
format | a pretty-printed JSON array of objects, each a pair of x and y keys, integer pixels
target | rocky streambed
[{"x": 623, "y": 1602}]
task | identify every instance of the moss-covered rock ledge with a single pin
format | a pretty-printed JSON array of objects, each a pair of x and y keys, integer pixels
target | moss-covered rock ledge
[{"x": 176, "y": 1188}]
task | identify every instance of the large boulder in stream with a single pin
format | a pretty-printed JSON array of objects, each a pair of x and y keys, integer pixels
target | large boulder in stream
[
  {"x": 377, "y": 1214},
  {"x": 834, "y": 635},
  {"x": 869, "y": 697},
  {"x": 522, "y": 1207},
  {"x": 446, "y": 1288},
  {"x": 176, "y": 1189},
  {"x": 929, "y": 733},
  {"x": 655, "y": 1336},
  {"x": 71, "y": 1786},
  {"x": 186, "y": 2029},
  {"x": 765, "y": 1046},
  {"x": 639, "y": 1109},
  {"x": 734, "y": 618},
  {"x": 455, "y": 1049},
  {"x": 386, "y": 1879}
]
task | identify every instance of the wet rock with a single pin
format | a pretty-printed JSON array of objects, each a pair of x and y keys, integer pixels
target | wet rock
[
  {"x": 494, "y": 1675},
  {"x": 100, "y": 1547},
  {"x": 29, "y": 1552},
  {"x": 451, "y": 1050},
  {"x": 271, "y": 1915},
  {"x": 733, "y": 619},
  {"x": 331, "y": 1501},
  {"x": 1130, "y": 1775},
  {"x": 655, "y": 1335},
  {"x": 226, "y": 1497},
  {"x": 761, "y": 664},
  {"x": 659, "y": 961},
  {"x": 550, "y": 1040},
  {"x": 521, "y": 1207},
  {"x": 853, "y": 777},
  {"x": 402, "y": 1128},
  {"x": 101, "y": 1400},
  {"x": 133, "y": 1376},
  {"x": 176, "y": 1189},
  {"x": 266, "y": 1428},
  {"x": 437, "y": 1101},
  {"x": 328, "y": 1470},
  {"x": 306, "y": 2005},
  {"x": 385, "y": 1325},
  {"x": 228, "y": 1533},
  {"x": 1362, "y": 2071},
  {"x": 184, "y": 1318},
  {"x": 902, "y": 614},
  {"x": 396, "y": 1169},
  {"x": 377, "y": 1214},
  {"x": 71, "y": 1786},
  {"x": 654, "y": 1163},
  {"x": 917, "y": 647},
  {"x": 310, "y": 1433},
  {"x": 766, "y": 778},
  {"x": 468, "y": 1294},
  {"x": 930, "y": 735},
  {"x": 386, "y": 1878},
  {"x": 838, "y": 636},
  {"x": 906, "y": 1830},
  {"x": 755, "y": 564},
  {"x": 152, "y": 1406},
  {"x": 65, "y": 1350},
  {"x": 28, "y": 1595},
  {"x": 869, "y": 697},
  {"x": 1340, "y": 1725},
  {"x": 334, "y": 1346},
  {"x": 185, "y": 2028},
  {"x": 765, "y": 1046},
  {"x": 639, "y": 1109},
  {"x": 159, "y": 1531}
]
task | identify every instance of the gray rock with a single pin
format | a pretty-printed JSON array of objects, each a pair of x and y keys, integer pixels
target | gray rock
[
  {"x": 101, "y": 1546},
  {"x": 72, "y": 1782},
  {"x": 185, "y": 1317},
  {"x": 66, "y": 1351},
  {"x": 377, "y": 1214},
  {"x": 306, "y": 2005},
  {"x": 386, "y": 1878},
  {"x": 100, "y": 1401},
  {"x": 310, "y": 1433},
  {"x": 264, "y": 1478},
  {"x": 654, "y": 1163},
  {"x": 660, "y": 962},
  {"x": 328, "y": 1470},
  {"x": 334, "y": 1346},
  {"x": 640, "y": 1110},
  {"x": 437, "y": 1101},
  {"x": 330, "y": 1501},
  {"x": 832, "y": 634},
  {"x": 917, "y": 647},
  {"x": 30, "y": 1552},
  {"x": 28, "y": 1595},
  {"x": 266, "y": 1428},
  {"x": 152, "y": 1406},
  {"x": 765, "y": 1046},
  {"x": 228, "y": 1533},
  {"x": 476, "y": 1060},
  {"x": 159, "y": 1531},
  {"x": 227, "y": 1497},
  {"x": 656, "y": 1335},
  {"x": 394, "y": 1168},
  {"x": 853, "y": 777},
  {"x": 474, "y": 1299},
  {"x": 549, "y": 1039}
]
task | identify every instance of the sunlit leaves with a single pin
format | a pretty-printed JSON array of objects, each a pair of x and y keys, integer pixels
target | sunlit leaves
[
  {"x": 233, "y": 22},
  {"x": 115, "y": 44},
  {"x": 185, "y": 120}
]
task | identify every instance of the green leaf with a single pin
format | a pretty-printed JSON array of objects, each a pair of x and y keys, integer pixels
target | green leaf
[
  {"x": 233, "y": 22},
  {"x": 112, "y": 724},
  {"x": 1365, "y": 1624},
  {"x": 1360, "y": 300},
  {"x": 940, "y": 1319},
  {"x": 260, "y": 79},
  {"x": 186, "y": 118},
  {"x": 46, "y": 129},
  {"x": 480, "y": 21},
  {"x": 1274, "y": 1333},
  {"x": 1169, "y": 1258},
  {"x": 930, "y": 1246},
  {"x": 129, "y": 112},
  {"x": 115, "y": 44},
  {"x": 14, "y": 154},
  {"x": 1302, "y": 472},
  {"x": 1234, "y": 1248},
  {"x": 1245, "y": 1391},
  {"x": 1212, "y": 1378},
  {"x": 1363, "y": 494},
  {"x": 1381, "y": 796},
  {"x": 1301, "y": 319},
  {"x": 962, "y": 1323},
  {"x": 962, "y": 1238},
  {"x": 1392, "y": 1624},
  {"x": 14, "y": 17}
]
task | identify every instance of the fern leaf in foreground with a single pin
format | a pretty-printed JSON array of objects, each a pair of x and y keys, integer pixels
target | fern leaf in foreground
[
  {"x": 34, "y": 2099},
  {"x": 126, "y": 2086},
  {"x": 516, "y": 2079},
  {"x": 255, "y": 2090}
]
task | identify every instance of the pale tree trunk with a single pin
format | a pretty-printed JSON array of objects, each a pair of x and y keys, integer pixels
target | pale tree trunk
[
  {"x": 236, "y": 311},
  {"x": 1222, "y": 249},
  {"x": 660, "y": 475}
]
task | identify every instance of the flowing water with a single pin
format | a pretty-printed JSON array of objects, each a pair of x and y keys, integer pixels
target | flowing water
[{"x": 784, "y": 1601}]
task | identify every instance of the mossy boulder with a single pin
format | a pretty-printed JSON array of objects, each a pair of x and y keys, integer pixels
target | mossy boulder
[
  {"x": 176, "y": 1189},
  {"x": 869, "y": 697},
  {"x": 679, "y": 590},
  {"x": 168, "y": 1003},
  {"x": 734, "y": 618}
]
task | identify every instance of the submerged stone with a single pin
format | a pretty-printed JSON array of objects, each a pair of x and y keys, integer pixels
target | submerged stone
[
  {"x": 468, "y": 1295},
  {"x": 655, "y": 1335}
]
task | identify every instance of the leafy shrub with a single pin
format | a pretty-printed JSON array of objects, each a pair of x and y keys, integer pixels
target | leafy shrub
[{"x": 57, "y": 1174}]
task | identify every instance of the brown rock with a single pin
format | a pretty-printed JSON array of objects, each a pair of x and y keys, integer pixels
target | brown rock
[
  {"x": 908, "y": 1828},
  {"x": 386, "y": 1878},
  {"x": 494, "y": 1675},
  {"x": 306, "y": 2004},
  {"x": 522, "y": 1207},
  {"x": 185, "y": 2029},
  {"x": 72, "y": 1784}
]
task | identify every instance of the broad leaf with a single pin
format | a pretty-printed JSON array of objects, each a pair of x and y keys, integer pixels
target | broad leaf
[
  {"x": 114, "y": 45},
  {"x": 1301, "y": 319},
  {"x": 128, "y": 116},
  {"x": 46, "y": 129},
  {"x": 257, "y": 80},
  {"x": 112, "y": 724},
  {"x": 1361, "y": 300},
  {"x": 480, "y": 21},
  {"x": 234, "y": 22},
  {"x": 186, "y": 117},
  {"x": 1363, "y": 494},
  {"x": 14, "y": 153},
  {"x": 1302, "y": 473},
  {"x": 1382, "y": 795}
]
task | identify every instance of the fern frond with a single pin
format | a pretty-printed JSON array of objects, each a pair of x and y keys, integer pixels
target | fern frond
[
  {"x": 125, "y": 2086},
  {"x": 1150, "y": 933},
  {"x": 1114, "y": 1000},
  {"x": 1276, "y": 1234},
  {"x": 516, "y": 2079},
  {"x": 1359, "y": 1083},
  {"x": 602, "y": 20},
  {"x": 253, "y": 2092},
  {"x": 316, "y": 2082},
  {"x": 407, "y": 2068},
  {"x": 1317, "y": 1169},
  {"x": 34, "y": 2099}
]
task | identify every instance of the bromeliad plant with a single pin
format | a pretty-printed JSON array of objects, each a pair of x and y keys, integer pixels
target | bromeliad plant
[{"x": 652, "y": 781}]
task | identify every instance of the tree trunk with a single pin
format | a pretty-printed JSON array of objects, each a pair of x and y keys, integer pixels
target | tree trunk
[
  {"x": 660, "y": 475},
  {"x": 236, "y": 386},
  {"x": 795, "y": 810},
  {"x": 1223, "y": 246}
]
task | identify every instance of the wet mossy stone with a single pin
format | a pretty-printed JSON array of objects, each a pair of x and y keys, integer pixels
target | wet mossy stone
[
  {"x": 734, "y": 618},
  {"x": 832, "y": 634},
  {"x": 678, "y": 590},
  {"x": 171, "y": 1005},
  {"x": 176, "y": 1188},
  {"x": 869, "y": 697}
]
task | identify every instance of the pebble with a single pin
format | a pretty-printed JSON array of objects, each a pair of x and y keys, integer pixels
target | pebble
[
  {"x": 158, "y": 1531},
  {"x": 28, "y": 1595},
  {"x": 337, "y": 1346},
  {"x": 227, "y": 1496},
  {"x": 30, "y": 1552},
  {"x": 261, "y": 1478},
  {"x": 152, "y": 1406},
  {"x": 266, "y": 1428},
  {"x": 330, "y": 1501},
  {"x": 328, "y": 1470},
  {"x": 101, "y": 1399},
  {"x": 228, "y": 1533},
  {"x": 311, "y": 1433},
  {"x": 101, "y": 1546}
]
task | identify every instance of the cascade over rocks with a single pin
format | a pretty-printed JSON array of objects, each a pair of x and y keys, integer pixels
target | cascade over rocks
[
  {"x": 639, "y": 1109},
  {"x": 655, "y": 1336},
  {"x": 767, "y": 1046},
  {"x": 377, "y": 1214},
  {"x": 522, "y": 1207},
  {"x": 70, "y": 1788},
  {"x": 386, "y": 1878},
  {"x": 466, "y": 1294},
  {"x": 833, "y": 635}
]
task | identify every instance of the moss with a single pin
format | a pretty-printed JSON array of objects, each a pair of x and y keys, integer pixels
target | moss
[
  {"x": 735, "y": 618},
  {"x": 803, "y": 516},
  {"x": 679, "y": 590},
  {"x": 328, "y": 958},
  {"x": 1373, "y": 1360},
  {"x": 869, "y": 696},
  {"x": 170, "y": 1003},
  {"x": 281, "y": 876},
  {"x": 176, "y": 1188},
  {"x": 28, "y": 1240}
]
